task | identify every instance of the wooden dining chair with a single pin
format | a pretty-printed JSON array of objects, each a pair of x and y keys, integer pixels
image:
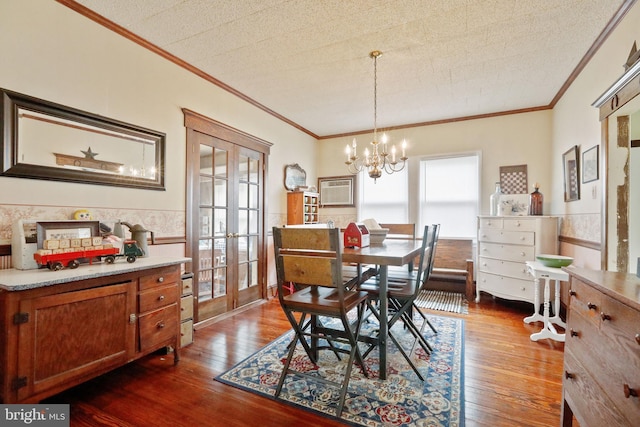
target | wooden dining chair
[
  {"x": 352, "y": 274},
  {"x": 402, "y": 293},
  {"x": 312, "y": 259},
  {"x": 401, "y": 231}
]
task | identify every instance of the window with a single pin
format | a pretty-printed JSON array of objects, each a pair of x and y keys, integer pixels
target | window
[
  {"x": 449, "y": 188},
  {"x": 386, "y": 200}
]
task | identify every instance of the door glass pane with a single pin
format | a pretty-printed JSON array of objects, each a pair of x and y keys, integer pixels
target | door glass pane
[
  {"x": 243, "y": 221},
  {"x": 206, "y": 159},
  {"x": 254, "y": 170},
  {"x": 220, "y": 264},
  {"x": 243, "y": 247},
  {"x": 220, "y": 282},
  {"x": 206, "y": 222},
  {"x": 220, "y": 192},
  {"x": 243, "y": 195},
  {"x": 244, "y": 168},
  {"x": 253, "y": 247},
  {"x": 253, "y": 222},
  {"x": 206, "y": 190},
  {"x": 219, "y": 222},
  {"x": 253, "y": 269},
  {"x": 221, "y": 163},
  {"x": 243, "y": 277},
  {"x": 205, "y": 268},
  {"x": 253, "y": 196}
]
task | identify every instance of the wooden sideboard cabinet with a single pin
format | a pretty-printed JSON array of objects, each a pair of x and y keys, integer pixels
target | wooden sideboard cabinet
[
  {"x": 601, "y": 383},
  {"x": 302, "y": 207},
  {"x": 66, "y": 327},
  {"x": 505, "y": 244}
]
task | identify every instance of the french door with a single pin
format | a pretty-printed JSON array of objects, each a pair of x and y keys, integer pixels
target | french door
[{"x": 225, "y": 226}]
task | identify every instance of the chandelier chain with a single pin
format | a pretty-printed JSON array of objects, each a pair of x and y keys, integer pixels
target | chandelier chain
[{"x": 379, "y": 160}]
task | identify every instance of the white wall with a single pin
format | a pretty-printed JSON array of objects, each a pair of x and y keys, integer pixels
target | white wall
[
  {"x": 517, "y": 139},
  {"x": 53, "y": 53},
  {"x": 576, "y": 122}
]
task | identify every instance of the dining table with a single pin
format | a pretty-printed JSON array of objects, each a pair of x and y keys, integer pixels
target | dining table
[{"x": 388, "y": 253}]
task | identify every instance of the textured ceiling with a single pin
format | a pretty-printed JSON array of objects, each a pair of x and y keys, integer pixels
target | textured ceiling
[{"x": 308, "y": 60}]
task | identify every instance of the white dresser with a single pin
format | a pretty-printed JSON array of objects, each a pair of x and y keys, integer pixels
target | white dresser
[{"x": 505, "y": 243}]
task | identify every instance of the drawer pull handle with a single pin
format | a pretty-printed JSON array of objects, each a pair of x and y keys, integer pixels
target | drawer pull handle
[
  {"x": 160, "y": 325},
  {"x": 574, "y": 333},
  {"x": 132, "y": 318},
  {"x": 638, "y": 338},
  {"x": 604, "y": 316},
  {"x": 160, "y": 279},
  {"x": 161, "y": 298},
  {"x": 628, "y": 391},
  {"x": 568, "y": 375},
  {"x": 591, "y": 306},
  {"x": 522, "y": 254},
  {"x": 572, "y": 293}
]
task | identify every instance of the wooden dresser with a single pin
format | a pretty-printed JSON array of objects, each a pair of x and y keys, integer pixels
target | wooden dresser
[
  {"x": 61, "y": 328},
  {"x": 505, "y": 243},
  {"x": 601, "y": 380}
]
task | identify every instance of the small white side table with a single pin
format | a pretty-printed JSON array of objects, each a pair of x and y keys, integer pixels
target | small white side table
[{"x": 540, "y": 272}]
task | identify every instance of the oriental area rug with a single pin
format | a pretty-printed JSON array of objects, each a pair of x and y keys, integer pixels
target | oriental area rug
[{"x": 400, "y": 400}]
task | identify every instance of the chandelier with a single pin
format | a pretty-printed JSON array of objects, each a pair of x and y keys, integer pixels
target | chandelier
[{"x": 379, "y": 159}]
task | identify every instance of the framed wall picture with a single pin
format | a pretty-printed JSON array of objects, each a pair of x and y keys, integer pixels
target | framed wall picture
[
  {"x": 337, "y": 191},
  {"x": 571, "y": 169},
  {"x": 590, "y": 165},
  {"x": 513, "y": 179}
]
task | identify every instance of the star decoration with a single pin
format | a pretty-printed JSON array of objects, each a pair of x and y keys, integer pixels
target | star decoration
[{"x": 89, "y": 154}]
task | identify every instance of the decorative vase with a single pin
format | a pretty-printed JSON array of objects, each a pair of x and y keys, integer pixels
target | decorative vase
[
  {"x": 494, "y": 200},
  {"x": 535, "y": 201}
]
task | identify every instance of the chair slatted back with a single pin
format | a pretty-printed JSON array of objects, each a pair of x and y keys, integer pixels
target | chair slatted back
[
  {"x": 400, "y": 231},
  {"x": 429, "y": 244},
  {"x": 308, "y": 256}
]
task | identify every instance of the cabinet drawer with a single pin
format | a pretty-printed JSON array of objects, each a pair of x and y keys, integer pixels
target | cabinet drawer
[
  {"x": 585, "y": 300},
  {"x": 519, "y": 224},
  {"x": 526, "y": 238},
  {"x": 506, "y": 287},
  {"x": 158, "y": 297},
  {"x": 586, "y": 398},
  {"x": 158, "y": 326},
  {"x": 160, "y": 277},
  {"x": 490, "y": 223},
  {"x": 506, "y": 252},
  {"x": 187, "y": 286},
  {"x": 186, "y": 333},
  {"x": 621, "y": 348},
  {"x": 186, "y": 307},
  {"x": 615, "y": 353},
  {"x": 516, "y": 270}
]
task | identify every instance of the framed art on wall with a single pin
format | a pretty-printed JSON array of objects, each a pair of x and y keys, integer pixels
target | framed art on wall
[
  {"x": 571, "y": 168},
  {"x": 590, "y": 165},
  {"x": 513, "y": 179}
]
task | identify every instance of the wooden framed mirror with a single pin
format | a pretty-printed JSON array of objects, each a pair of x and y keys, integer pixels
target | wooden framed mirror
[
  {"x": 45, "y": 140},
  {"x": 620, "y": 164}
]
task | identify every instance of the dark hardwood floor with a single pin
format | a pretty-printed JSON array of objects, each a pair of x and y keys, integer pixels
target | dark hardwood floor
[{"x": 509, "y": 379}]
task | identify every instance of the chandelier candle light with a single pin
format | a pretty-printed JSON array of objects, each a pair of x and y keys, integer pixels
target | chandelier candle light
[{"x": 378, "y": 160}]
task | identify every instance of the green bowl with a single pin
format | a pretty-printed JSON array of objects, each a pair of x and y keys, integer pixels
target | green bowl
[{"x": 556, "y": 261}]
